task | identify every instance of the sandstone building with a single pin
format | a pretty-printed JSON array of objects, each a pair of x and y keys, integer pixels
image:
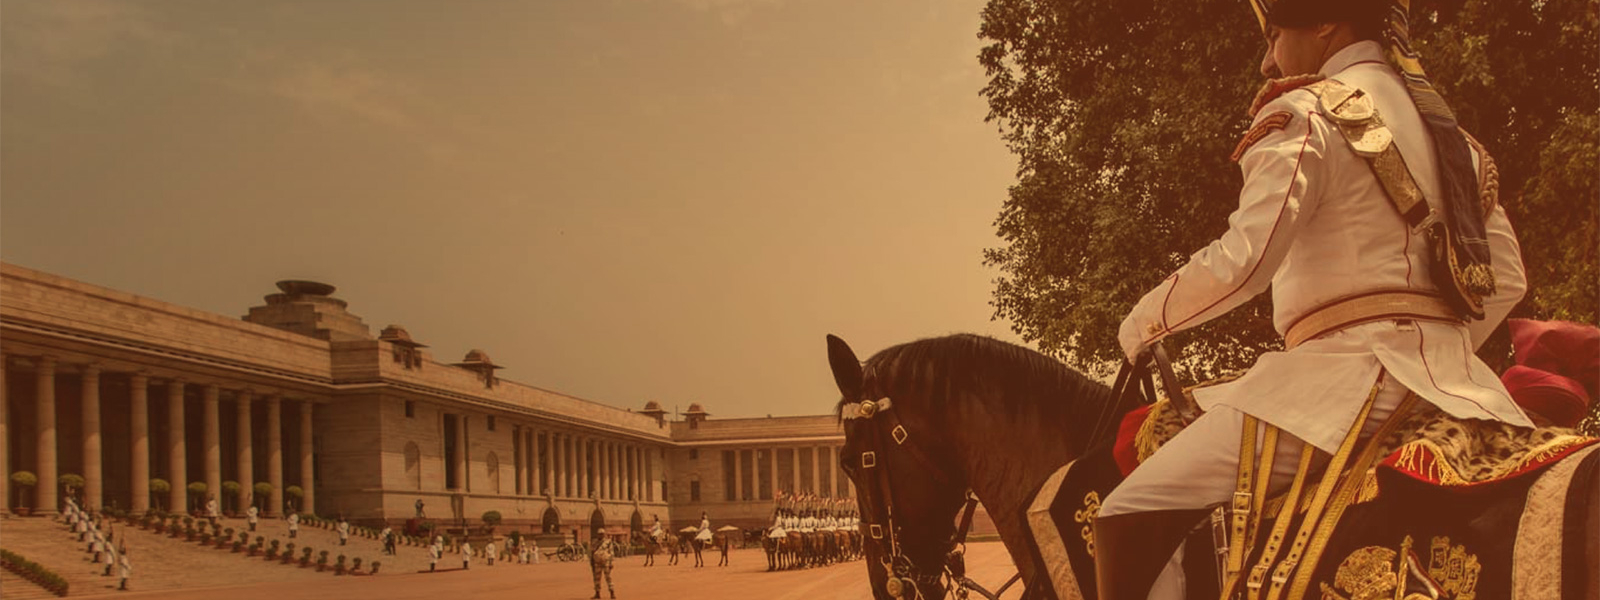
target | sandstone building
[{"x": 122, "y": 389}]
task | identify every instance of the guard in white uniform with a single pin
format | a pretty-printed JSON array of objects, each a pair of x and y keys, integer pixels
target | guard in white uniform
[{"x": 1316, "y": 225}]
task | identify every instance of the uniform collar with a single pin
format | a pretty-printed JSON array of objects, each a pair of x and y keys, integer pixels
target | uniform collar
[{"x": 1359, "y": 52}]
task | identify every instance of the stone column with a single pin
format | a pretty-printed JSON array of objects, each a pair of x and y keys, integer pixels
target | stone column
[
  {"x": 45, "y": 409},
  {"x": 139, "y": 438},
  {"x": 833, "y": 472},
  {"x": 553, "y": 445},
  {"x": 460, "y": 482},
  {"x": 534, "y": 469},
  {"x": 93, "y": 483},
  {"x": 516, "y": 458},
  {"x": 309, "y": 502},
  {"x": 584, "y": 485},
  {"x": 563, "y": 464},
  {"x": 633, "y": 474},
  {"x": 5, "y": 444},
  {"x": 247, "y": 474},
  {"x": 774, "y": 460},
  {"x": 650, "y": 473},
  {"x": 738, "y": 475},
  {"x": 212, "y": 441},
  {"x": 617, "y": 465},
  {"x": 275, "y": 454},
  {"x": 177, "y": 450},
  {"x": 794, "y": 475},
  {"x": 816, "y": 473}
]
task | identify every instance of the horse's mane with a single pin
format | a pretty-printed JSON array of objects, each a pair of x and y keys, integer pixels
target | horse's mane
[{"x": 1029, "y": 384}]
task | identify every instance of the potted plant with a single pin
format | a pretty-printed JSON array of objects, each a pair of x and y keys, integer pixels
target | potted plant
[
  {"x": 226, "y": 536},
  {"x": 197, "y": 495},
  {"x": 490, "y": 520},
  {"x": 24, "y": 481},
  {"x": 230, "y": 489},
  {"x": 272, "y": 551},
  {"x": 295, "y": 493},
  {"x": 71, "y": 484},
  {"x": 355, "y": 566},
  {"x": 322, "y": 561},
  {"x": 305, "y": 557},
  {"x": 263, "y": 492},
  {"x": 288, "y": 553},
  {"x": 374, "y": 570},
  {"x": 338, "y": 567},
  {"x": 158, "y": 490}
]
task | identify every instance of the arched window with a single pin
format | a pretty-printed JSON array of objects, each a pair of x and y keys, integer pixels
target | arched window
[
  {"x": 552, "y": 521},
  {"x": 413, "y": 465}
]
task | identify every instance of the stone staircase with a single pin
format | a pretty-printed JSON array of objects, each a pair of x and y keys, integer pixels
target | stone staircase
[
  {"x": 14, "y": 587},
  {"x": 49, "y": 543}
]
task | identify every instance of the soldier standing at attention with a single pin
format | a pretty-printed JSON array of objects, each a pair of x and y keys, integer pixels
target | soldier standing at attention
[
  {"x": 294, "y": 525},
  {"x": 488, "y": 552},
  {"x": 344, "y": 531},
  {"x": 252, "y": 516},
  {"x": 600, "y": 562},
  {"x": 1384, "y": 282},
  {"x": 466, "y": 554},
  {"x": 435, "y": 552}
]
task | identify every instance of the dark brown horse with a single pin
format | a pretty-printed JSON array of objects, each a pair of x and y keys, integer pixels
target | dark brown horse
[{"x": 971, "y": 412}]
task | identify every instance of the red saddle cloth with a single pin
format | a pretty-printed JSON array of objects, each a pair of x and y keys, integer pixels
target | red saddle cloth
[{"x": 1126, "y": 455}]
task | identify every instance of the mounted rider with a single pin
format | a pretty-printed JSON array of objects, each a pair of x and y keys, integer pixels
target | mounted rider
[{"x": 1389, "y": 264}]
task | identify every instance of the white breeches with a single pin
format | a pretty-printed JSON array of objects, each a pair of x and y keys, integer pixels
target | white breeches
[{"x": 1200, "y": 466}]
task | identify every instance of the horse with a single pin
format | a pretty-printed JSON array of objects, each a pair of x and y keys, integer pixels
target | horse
[
  {"x": 974, "y": 413},
  {"x": 652, "y": 546},
  {"x": 723, "y": 543},
  {"x": 775, "y": 547},
  {"x": 692, "y": 541}
]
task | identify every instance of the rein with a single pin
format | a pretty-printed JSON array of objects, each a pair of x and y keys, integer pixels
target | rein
[{"x": 878, "y": 521}]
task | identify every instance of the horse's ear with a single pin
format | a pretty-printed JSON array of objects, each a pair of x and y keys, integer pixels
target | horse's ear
[{"x": 846, "y": 369}]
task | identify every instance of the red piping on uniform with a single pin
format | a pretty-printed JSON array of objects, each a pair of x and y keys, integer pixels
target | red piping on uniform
[
  {"x": 1297, "y": 160},
  {"x": 1435, "y": 382}
]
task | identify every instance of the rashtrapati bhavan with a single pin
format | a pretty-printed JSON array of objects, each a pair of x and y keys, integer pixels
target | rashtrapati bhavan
[{"x": 299, "y": 394}]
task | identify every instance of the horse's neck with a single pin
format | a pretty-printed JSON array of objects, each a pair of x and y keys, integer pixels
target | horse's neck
[{"x": 1006, "y": 459}]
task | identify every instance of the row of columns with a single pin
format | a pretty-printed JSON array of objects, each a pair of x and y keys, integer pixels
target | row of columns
[
  {"x": 47, "y": 499},
  {"x": 576, "y": 466},
  {"x": 817, "y": 466}
]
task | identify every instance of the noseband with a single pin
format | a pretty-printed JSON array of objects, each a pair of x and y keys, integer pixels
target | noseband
[{"x": 878, "y": 522}]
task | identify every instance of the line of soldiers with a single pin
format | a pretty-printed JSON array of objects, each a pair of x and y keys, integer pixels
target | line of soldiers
[
  {"x": 809, "y": 530},
  {"x": 86, "y": 527}
]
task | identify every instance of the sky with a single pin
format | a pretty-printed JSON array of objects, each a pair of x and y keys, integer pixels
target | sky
[{"x": 670, "y": 200}]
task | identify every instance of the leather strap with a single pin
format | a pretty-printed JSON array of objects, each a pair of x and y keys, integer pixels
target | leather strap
[
  {"x": 1350, "y": 484},
  {"x": 1249, "y": 495},
  {"x": 1366, "y": 308},
  {"x": 1280, "y": 575},
  {"x": 1280, "y": 527}
]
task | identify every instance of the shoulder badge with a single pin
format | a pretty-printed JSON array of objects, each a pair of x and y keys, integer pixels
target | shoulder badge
[
  {"x": 1278, "y": 87},
  {"x": 1271, "y": 123},
  {"x": 1357, "y": 117}
]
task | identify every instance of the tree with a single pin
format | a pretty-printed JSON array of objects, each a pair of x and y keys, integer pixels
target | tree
[{"x": 1123, "y": 115}]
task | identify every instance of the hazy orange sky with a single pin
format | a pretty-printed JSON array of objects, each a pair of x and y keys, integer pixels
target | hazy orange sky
[{"x": 618, "y": 200}]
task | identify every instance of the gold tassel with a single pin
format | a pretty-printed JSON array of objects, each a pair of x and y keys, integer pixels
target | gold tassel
[{"x": 1479, "y": 279}]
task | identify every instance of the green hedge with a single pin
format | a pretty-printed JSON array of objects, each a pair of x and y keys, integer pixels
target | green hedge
[{"x": 34, "y": 572}]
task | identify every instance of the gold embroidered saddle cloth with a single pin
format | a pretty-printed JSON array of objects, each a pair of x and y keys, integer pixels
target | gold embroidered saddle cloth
[{"x": 1256, "y": 553}]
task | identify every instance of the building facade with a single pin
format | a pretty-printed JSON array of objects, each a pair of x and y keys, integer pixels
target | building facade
[{"x": 299, "y": 394}]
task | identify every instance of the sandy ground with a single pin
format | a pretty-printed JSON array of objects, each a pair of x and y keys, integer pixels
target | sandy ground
[{"x": 746, "y": 578}]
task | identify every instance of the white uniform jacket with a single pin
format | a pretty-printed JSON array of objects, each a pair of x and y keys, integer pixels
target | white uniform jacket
[{"x": 1315, "y": 225}]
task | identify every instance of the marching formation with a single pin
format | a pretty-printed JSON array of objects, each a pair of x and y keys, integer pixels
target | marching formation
[{"x": 811, "y": 531}]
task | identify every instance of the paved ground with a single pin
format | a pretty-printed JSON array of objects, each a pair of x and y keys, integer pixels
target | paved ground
[{"x": 746, "y": 578}]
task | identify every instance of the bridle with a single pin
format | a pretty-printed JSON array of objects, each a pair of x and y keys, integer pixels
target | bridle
[{"x": 905, "y": 576}]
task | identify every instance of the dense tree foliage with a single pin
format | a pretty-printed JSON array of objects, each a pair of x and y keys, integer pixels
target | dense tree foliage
[{"x": 1123, "y": 114}]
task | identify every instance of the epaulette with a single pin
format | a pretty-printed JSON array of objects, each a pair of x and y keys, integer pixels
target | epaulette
[
  {"x": 1278, "y": 87},
  {"x": 1488, "y": 176}
]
